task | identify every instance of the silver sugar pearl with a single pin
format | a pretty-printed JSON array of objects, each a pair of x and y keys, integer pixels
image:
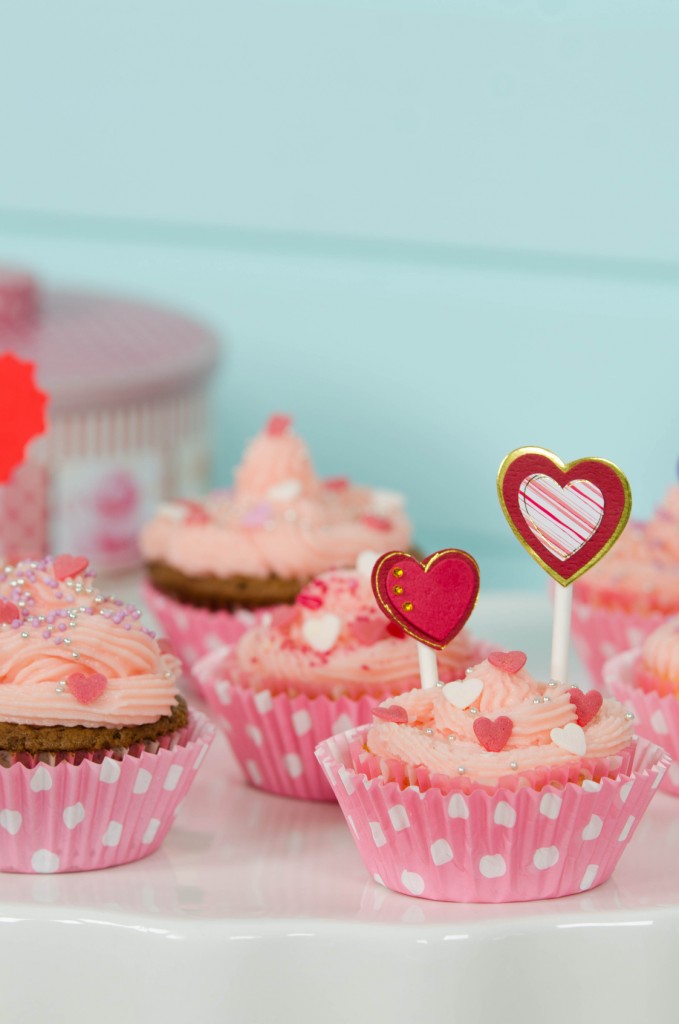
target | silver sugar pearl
[
  {"x": 429, "y": 732},
  {"x": 546, "y": 700},
  {"x": 537, "y": 700},
  {"x": 439, "y": 684},
  {"x": 473, "y": 711},
  {"x": 24, "y": 636},
  {"x": 74, "y": 654},
  {"x": 629, "y": 716},
  {"x": 513, "y": 765},
  {"x": 461, "y": 770},
  {"x": 552, "y": 682},
  {"x": 66, "y": 640}
]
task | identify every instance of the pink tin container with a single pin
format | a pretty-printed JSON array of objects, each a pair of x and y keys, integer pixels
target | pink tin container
[{"x": 127, "y": 386}]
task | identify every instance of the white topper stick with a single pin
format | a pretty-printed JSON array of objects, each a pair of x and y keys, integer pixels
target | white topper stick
[
  {"x": 561, "y": 633},
  {"x": 429, "y": 670}
]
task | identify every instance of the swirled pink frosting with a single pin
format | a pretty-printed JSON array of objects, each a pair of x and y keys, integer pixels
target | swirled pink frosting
[
  {"x": 280, "y": 519},
  {"x": 335, "y": 641},
  {"x": 441, "y": 737},
  {"x": 56, "y": 629},
  {"x": 640, "y": 574},
  {"x": 658, "y": 666}
]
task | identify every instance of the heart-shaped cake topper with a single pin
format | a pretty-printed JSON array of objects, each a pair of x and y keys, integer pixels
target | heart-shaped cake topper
[
  {"x": 68, "y": 566},
  {"x": 566, "y": 515},
  {"x": 430, "y": 600},
  {"x": 84, "y": 688}
]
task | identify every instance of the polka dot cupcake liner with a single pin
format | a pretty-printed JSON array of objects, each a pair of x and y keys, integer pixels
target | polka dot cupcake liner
[
  {"x": 273, "y": 736},
  {"x": 656, "y": 716},
  {"x": 600, "y": 634},
  {"x": 195, "y": 632},
  {"x": 483, "y": 848},
  {"x": 96, "y": 814}
]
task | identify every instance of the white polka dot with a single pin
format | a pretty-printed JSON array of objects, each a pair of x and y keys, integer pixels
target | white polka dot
[
  {"x": 399, "y": 817},
  {"x": 73, "y": 815},
  {"x": 263, "y": 701},
  {"x": 658, "y": 779},
  {"x": 173, "y": 776},
  {"x": 659, "y": 723},
  {"x": 41, "y": 779},
  {"x": 492, "y": 866},
  {"x": 458, "y": 806},
  {"x": 378, "y": 835},
  {"x": 590, "y": 786},
  {"x": 45, "y": 862},
  {"x": 201, "y": 755},
  {"x": 142, "y": 781},
  {"x": 151, "y": 830},
  {"x": 346, "y": 779},
  {"x": 293, "y": 765},
  {"x": 441, "y": 851},
  {"x": 246, "y": 617},
  {"x": 109, "y": 770},
  {"x": 255, "y": 734},
  {"x": 10, "y": 821},
  {"x": 505, "y": 815},
  {"x": 342, "y": 724},
  {"x": 626, "y": 790},
  {"x": 301, "y": 722},
  {"x": 627, "y": 828},
  {"x": 223, "y": 691},
  {"x": 589, "y": 876},
  {"x": 545, "y": 857},
  {"x": 413, "y": 882},
  {"x": 592, "y": 829},
  {"x": 111, "y": 836},
  {"x": 550, "y": 805},
  {"x": 378, "y": 879},
  {"x": 252, "y": 768},
  {"x": 352, "y": 826}
]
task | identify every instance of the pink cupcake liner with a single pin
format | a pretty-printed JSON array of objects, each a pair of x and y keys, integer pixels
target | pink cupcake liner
[
  {"x": 656, "y": 717},
  {"x": 499, "y": 848},
  {"x": 97, "y": 814},
  {"x": 600, "y": 634},
  {"x": 194, "y": 632}
]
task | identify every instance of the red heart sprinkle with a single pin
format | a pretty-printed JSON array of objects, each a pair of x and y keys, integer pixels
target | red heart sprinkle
[
  {"x": 393, "y": 713},
  {"x": 67, "y": 566},
  {"x": 586, "y": 704},
  {"x": 277, "y": 424},
  {"x": 493, "y": 735},
  {"x": 368, "y": 631},
  {"x": 508, "y": 661},
  {"x": 377, "y": 522},
  {"x": 84, "y": 688},
  {"x": 9, "y": 612}
]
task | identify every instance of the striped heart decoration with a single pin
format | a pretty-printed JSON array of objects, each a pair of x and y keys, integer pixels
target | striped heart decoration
[{"x": 567, "y": 516}]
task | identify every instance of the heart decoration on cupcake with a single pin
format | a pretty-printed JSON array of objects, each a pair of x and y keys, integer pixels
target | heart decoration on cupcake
[
  {"x": 23, "y": 411},
  {"x": 430, "y": 600},
  {"x": 566, "y": 515}
]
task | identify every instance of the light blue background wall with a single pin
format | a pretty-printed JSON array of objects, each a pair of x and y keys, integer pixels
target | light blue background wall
[{"x": 431, "y": 231}]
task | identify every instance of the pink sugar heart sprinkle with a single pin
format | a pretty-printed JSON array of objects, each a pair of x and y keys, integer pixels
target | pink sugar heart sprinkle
[
  {"x": 493, "y": 735},
  {"x": 508, "y": 661},
  {"x": 84, "y": 688},
  {"x": 9, "y": 612},
  {"x": 165, "y": 645},
  {"x": 394, "y": 713},
  {"x": 311, "y": 601},
  {"x": 67, "y": 566},
  {"x": 368, "y": 631},
  {"x": 380, "y": 523},
  {"x": 277, "y": 424},
  {"x": 586, "y": 705}
]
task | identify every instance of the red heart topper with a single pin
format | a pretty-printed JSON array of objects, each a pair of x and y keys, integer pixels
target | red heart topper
[
  {"x": 566, "y": 515},
  {"x": 430, "y": 600}
]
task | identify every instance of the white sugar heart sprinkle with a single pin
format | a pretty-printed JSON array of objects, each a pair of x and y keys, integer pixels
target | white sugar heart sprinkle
[
  {"x": 321, "y": 632},
  {"x": 286, "y": 490},
  {"x": 571, "y": 738},
  {"x": 365, "y": 563},
  {"x": 462, "y": 693}
]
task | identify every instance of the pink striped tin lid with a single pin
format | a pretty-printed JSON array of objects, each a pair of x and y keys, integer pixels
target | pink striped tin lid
[{"x": 91, "y": 349}]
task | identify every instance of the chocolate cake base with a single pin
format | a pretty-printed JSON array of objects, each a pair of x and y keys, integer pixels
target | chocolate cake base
[
  {"x": 37, "y": 739},
  {"x": 223, "y": 594}
]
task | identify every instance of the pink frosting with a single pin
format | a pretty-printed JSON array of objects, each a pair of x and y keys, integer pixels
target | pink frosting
[
  {"x": 334, "y": 640},
  {"x": 57, "y": 632},
  {"x": 658, "y": 667},
  {"x": 441, "y": 737},
  {"x": 280, "y": 519}
]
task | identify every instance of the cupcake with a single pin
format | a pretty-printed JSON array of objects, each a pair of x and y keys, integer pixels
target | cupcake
[
  {"x": 320, "y": 666},
  {"x": 624, "y": 598},
  {"x": 217, "y": 566},
  {"x": 498, "y": 788},
  {"x": 97, "y": 749},
  {"x": 646, "y": 680}
]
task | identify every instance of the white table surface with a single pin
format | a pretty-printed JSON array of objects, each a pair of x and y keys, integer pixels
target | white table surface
[{"x": 258, "y": 909}]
